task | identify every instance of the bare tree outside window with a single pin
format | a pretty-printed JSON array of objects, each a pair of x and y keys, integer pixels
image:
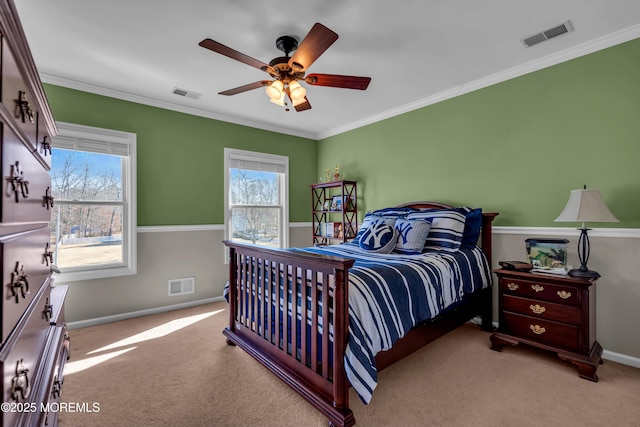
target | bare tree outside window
[
  {"x": 255, "y": 206},
  {"x": 86, "y": 223}
]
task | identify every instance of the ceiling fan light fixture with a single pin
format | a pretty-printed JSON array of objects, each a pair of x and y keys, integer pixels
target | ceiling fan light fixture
[
  {"x": 275, "y": 90},
  {"x": 296, "y": 92},
  {"x": 279, "y": 101}
]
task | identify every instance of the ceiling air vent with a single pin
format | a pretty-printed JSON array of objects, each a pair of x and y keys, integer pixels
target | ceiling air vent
[
  {"x": 186, "y": 93},
  {"x": 556, "y": 31}
]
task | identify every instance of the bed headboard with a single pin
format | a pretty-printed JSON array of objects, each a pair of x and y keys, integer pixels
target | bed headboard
[{"x": 487, "y": 219}]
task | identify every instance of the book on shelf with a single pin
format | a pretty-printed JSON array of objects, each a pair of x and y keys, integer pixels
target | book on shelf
[{"x": 331, "y": 230}]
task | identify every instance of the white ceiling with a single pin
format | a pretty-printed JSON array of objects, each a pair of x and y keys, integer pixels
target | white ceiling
[{"x": 416, "y": 51}]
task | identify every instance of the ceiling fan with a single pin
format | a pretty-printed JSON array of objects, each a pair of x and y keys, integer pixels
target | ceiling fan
[{"x": 288, "y": 71}]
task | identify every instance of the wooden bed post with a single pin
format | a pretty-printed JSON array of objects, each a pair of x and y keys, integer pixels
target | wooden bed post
[
  {"x": 233, "y": 265},
  {"x": 487, "y": 248},
  {"x": 340, "y": 323}
]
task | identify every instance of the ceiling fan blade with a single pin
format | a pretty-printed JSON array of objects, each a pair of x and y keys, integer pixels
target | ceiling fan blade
[
  {"x": 300, "y": 107},
  {"x": 303, "y": 106},
  {"x": 312, "y": 46},
  {"x": 233, "y": 54},
  {"x": 247, "y": 87},
  {"x": 336, "y": 80}
]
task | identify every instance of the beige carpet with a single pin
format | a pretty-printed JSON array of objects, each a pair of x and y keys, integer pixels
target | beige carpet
[{"x": 175, "y": 369}]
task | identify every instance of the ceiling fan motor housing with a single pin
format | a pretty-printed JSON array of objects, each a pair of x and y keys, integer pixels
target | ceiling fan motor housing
[{"x": 287, "y": 44}]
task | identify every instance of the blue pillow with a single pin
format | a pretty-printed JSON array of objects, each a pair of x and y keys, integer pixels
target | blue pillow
[
  {"x": 380, "y": 238},
  {"x": 472, "y": 225},
  {"x": 395, "y": 212},
  {"x": 369, "y": 220},
  {"x": 447, "y": 227},
  {"x": 412, "y": 235}
]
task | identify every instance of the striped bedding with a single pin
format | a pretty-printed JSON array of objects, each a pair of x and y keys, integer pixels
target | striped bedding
[{"x": 390, "y": 293}]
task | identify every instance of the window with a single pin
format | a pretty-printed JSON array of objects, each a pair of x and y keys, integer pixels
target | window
[
  {"x": 93, "y": 220},
  {"x": 256, "y": 196}
]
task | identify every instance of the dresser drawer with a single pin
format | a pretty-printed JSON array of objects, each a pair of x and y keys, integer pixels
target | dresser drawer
[
  {"x": 21, "y": 354},
  {"x": 540, "y": 330},
  {"x": 23, "y": 203},
  {"x": 542, "y": 309},
  {"x": 23, "y": 255},
  {"x": 53, "y": 373},
  {"x": 539, "y": 290},
  {"x": 17, "y": 97}
]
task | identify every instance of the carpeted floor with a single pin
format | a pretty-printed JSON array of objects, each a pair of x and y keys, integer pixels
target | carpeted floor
[{"x": 175, "y": 369}]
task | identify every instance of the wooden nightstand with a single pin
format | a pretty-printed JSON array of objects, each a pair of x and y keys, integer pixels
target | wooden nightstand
[{"x": 552, "y": 312}]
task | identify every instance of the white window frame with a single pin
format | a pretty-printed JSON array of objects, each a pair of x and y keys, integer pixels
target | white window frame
[
  {"x": 74, "y": 137},
  {"x": 253, "y": 156}
]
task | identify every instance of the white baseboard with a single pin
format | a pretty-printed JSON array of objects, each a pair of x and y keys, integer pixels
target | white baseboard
[
  {"x": 122, "y": 316},
  {"x": 606, "y": 354},
  {"x": 621, "y": 358}
]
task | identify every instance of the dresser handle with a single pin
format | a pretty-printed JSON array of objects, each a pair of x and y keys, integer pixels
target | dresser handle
[
  {"x": 20, "y": 383},
  {"x": 19, "y": 280},
  {"x": 537, "y": 309},
  {"x": 48, "y": 310},
  {"x": 537, "y": 329},
  {"x": 47, "y": 199},
  {"x": 512, "y": 286},
  {"x": 537, "y": 288},
  {"x": 22, "y": 108},
  {"x": 56, "y": 389},
  {"x": 45, "y": 145},
  {"x": 48, "y": 254},
  {"x": 564, "y": 294},
  {"x": 19, "y": 185}
]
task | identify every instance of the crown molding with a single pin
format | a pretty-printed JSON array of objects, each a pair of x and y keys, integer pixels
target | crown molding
[
  {"x": 83, "y": 86},
  {"x": 601, "y": 43}
]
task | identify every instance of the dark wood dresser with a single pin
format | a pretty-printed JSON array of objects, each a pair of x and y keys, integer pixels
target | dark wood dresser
[
  {"x": 552, "y": 312},
  {"x": 34, "y": 344}
]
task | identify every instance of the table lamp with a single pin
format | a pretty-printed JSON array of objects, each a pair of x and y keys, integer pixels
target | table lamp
[{"x": 585, "y": 206}]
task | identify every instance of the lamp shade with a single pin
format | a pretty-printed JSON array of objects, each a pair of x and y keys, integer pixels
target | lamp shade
[
  {"x": 274, "y": 90},
  {"x": 586, "y": 205}
]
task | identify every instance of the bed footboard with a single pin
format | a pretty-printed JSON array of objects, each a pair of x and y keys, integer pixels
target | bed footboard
[{"x": 268, "y": 319}]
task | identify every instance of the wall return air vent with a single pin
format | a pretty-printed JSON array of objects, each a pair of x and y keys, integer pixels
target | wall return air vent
[
  {"x": 558, "y": 30},
  {"x": 182, "y": 286}
]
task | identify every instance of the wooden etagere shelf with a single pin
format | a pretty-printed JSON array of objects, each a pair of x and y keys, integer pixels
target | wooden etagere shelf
[{"x": 334, "y": 212}]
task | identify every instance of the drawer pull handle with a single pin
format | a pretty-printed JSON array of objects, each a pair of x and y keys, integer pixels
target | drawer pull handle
[
  {"x": 537, "y": 288},
  {"x": 19, "y": 185},
  {"x": 564, "y": 294},
  {"x": 512, "y": 286},
  {"x": 45, "y": 145},
  {"x": 19, "y": 280},
  {"x": 537, "y": 329},
  {"x": 47, "y": 199},
  {"x": 48, "y": 310},
  {"x": 56, "y": 389},
  {"x": 537, "y": 309},
  {"x": 20, "y": 383},
  {"x": 48, "y": 254},
  {"x": 22, "y": 108}
]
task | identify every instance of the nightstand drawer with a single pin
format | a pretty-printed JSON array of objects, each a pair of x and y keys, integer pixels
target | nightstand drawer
[
  {"x": 541, "y": 330},
  {"x": 539, "y": 290},
  {"x": 542, "y": 309}
]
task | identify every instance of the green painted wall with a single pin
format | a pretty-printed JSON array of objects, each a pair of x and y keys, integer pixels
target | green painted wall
[
  {"x": 180, "y": 156},
  {"x": 518, "y": 147}
]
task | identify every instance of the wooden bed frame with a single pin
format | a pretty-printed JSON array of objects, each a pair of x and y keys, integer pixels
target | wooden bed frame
[{"x": 253, "y": 270}]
